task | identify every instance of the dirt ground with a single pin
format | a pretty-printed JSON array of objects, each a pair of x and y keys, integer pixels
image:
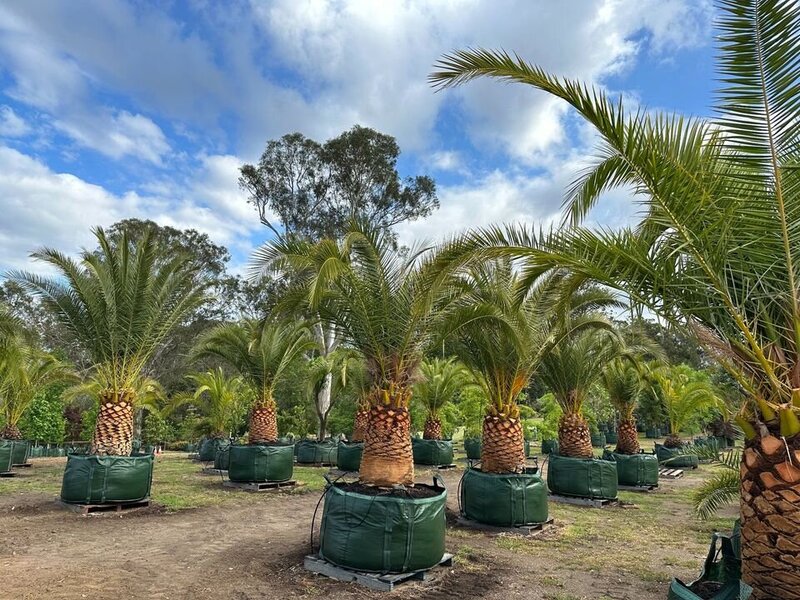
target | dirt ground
[{"x": 255, "y": 550}]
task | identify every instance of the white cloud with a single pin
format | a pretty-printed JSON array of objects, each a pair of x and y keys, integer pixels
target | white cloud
[
  {"x": 11, "y": 124},
  {"x": 447, "y": 160}
]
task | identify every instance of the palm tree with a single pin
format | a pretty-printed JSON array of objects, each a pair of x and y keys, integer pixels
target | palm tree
[
  {"x": 26, "y": 372},
  {"x": 683, "y": 396},
  {"x": 119, "y": 303},
  {"x": 625, "y": 385},
  {"x": 504, "y": 340},
  {"x": 719, "y": 490},
  {"x": 378, "y": 301},
  {"x": 442, "y": 380},
  {"x": 217, "y": 396},
  {"x": 717, "y": 249},
  {"x": 331, "y": 372},
  {"x": 262, "y": 353}
]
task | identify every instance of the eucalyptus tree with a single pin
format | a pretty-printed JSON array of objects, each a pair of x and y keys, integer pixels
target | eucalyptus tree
[
  {"x": 378, "y": 301},
  {"x": 119, "y": 303},
  {"x": 718, "y": 246},
  {"x": 262, "y": 352}
]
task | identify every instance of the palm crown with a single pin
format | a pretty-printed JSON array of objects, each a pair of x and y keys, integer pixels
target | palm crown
[{"x": 216, "y": 395}]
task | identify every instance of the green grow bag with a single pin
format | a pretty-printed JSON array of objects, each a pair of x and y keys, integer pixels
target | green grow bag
[
  {"x": 653, "y": 434},
  {"x": 674, "y": 457},
  {"x": 637, "y": 470},
  {"x": 582, "y": 477},
  {"x": 223, "y": 455},
  {"x": 312, "y": 452},
  {"x": 21, "y": 452},
  {"x": 348, "y": 456},
  {"x": 432, "y": 452},
  {"x": 382, "y": 534},
  {"x": 598, "y": 440},
  {"x": 107, "y": 479},
  {"x": 503, "y": 500},
  {"x": 6, "y": 455},
  {"x": 260, "y": 463},
  {"x": 472, "y": 446},
  {"x": 36, "y": 451},
  {"x": 191, "y": 448},
  {"x": 208, "y": 449},
  {"x": 549, "y": 446},
  {"x": 611, "y": 437},
  {"x": 527, "y": 449}
]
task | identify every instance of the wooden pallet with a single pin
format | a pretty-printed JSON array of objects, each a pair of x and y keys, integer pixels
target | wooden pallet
[
  {"x": 446, "y": 467},
  {"x": 320, "y": 464},
  {"x": 117, "y": 507},
  {"x": 524, "y": 530},
  {"x": 373, "y": 581},
  {"x": 22, "y": 466},
  {"x": 259, "y": 486},
  {"x": 638, "y": 488},
  {"x": 213, "y": 471},
  {"x": 8, "y": 474},
  {"x": 670, "y": 473},
  {"x": 578, "y": 501}
]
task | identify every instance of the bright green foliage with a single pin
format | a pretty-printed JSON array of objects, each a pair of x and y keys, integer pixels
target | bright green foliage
[
  {"x": 157, "y": 429},
  {"x": 721, "y": 490},
  {"x": 44, "y": 420},
  {"x": 442, "y": 380},
  {"x": 219, "y": 399},
  {"x": 625, "y": 386},
  {"x": 684, "y": 393}
]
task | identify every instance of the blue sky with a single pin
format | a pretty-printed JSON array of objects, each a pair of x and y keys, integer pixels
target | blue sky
[{"x": 113, "y": 109}]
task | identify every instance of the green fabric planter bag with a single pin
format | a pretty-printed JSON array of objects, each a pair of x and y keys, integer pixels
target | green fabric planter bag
[
  {"x": 312, "y": 452},
  {"x": 6, "y": 455},
  {"x": 208, "y": 449},
  {"x": 611, "y": 437},
  {"x": 503, "y": 500},
  {"x": 382, "y": 534},
  {"x": 527, "y": 449},
  {"x": 223, "y": 455},
  {"x": 652, "y": 434},
  {"x": 638, "y": 470},
  {"x": 549, "y": 446},
  {"x": 472, "y": 446},
  {"x": 21, "y": 453},
  {"x": 675, "y": 458},
  {"x": 582, "y": 477},
  {"x": 348, "y": 456},
  {"x": 598, "y": 440},
  {"x": 107, "y": 479},
  {"x": 432, "y": 452},
  {"x": 255, "y": 464}
]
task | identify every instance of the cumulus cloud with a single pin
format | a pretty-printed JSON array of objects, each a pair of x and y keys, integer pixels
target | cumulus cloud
[{"x": 11, "y": 124}]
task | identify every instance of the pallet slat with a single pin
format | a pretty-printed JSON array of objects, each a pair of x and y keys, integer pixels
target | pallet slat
[
  {"x": 523, "y": 530},
  {"x": 86, "y": 509},
  {"x": 373, "y": 581}
]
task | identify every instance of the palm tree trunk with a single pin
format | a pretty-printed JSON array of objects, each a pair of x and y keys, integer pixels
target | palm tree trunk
[
  {"x": 770, "y": 512},
  {"x": 113, "y": 432},
  {"x": 673, "y": 441},
  {"x": 502, "y": 445},
  {"x": 10, "y": 432},
  {"x": 264, "y": 423},
  {"x": 433, "y": 429},
  {"x": 387, "y": 459},
  {"x": 627, "y": 437},
  {"x": 360, "y": 424},
  {"x": 574, "y": 438}
]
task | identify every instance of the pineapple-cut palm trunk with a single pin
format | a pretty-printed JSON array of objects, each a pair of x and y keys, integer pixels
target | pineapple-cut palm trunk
[
  {"x": 770, "y": 511},
  {"x": 502, "y": 446},
  {"x": 673, "y": 441},
  {"x": 360, "y": 425},
  {"x": 574, "y": 438},
  {"x": 264, "y": 423},
  {"x": 113, "y": 432},
  {"x": 433, "y": 429},
  {"x": 10, "y": 432},
  {"x": 627, "y": 437},
  {"x": 387, "y": 459}
]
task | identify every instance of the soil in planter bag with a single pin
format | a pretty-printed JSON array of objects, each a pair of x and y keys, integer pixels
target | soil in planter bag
[
  {"x": 223, "y": 455},
  {"x": 312, "y": 452},
  {"x": 382, "y": 534},
  {"x": 21, "y": 452},
  {"x": 472, "y": 446},
  {"x": 676, "y": 458},
  {"x": 503, "y": 500},
  {"x": 721, "y": 572},
  {"x": 432, "y": 452},
  {"x": 348, "y": 456},
  {"x": 549, "y": 446},
  {"x": 6, "y": 455},
  {"x": 634, "y": 469},
  {"x": 251, "y": 464},
  {"x": 582, "y": 477},
  {"x": 106, "y": 479}
]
